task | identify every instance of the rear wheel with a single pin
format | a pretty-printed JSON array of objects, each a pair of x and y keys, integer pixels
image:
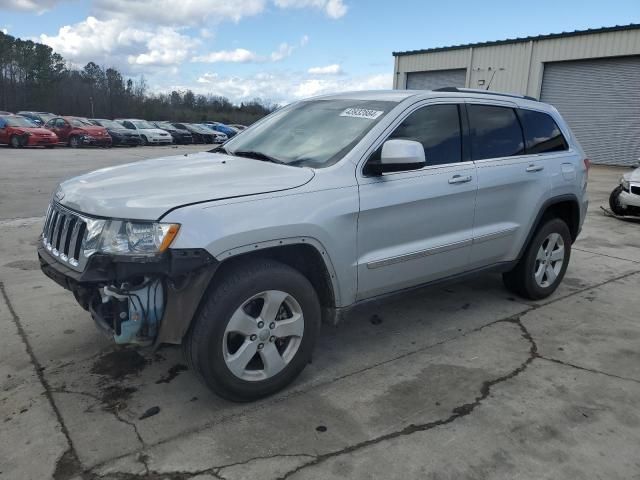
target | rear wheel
[
  {"x": 544, "y": 263},
  {"x": 255, "y": 331},
  {"x": 614, "y": 201}
]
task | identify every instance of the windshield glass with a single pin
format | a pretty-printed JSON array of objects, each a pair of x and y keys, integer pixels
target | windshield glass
[
  {"x": 110, "y": 124},
  {"x": 142, "y": 124},
  {"x": 18, "y": 122},
  {"x": 46, "y": 117},
  {"x": 78, "y": 122},
  {"x": 165, "y": 125},
  {"x": 314, "y": 133}
]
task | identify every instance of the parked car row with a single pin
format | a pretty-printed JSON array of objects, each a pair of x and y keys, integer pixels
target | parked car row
[{"x": 27, "y": 129}]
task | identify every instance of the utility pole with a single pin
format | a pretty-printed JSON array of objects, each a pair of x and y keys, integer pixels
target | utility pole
[{"x": 92, "y": 113}]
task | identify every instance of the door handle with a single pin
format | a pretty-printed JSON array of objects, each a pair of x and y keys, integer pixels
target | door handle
[
  {"x": 459, "y": 179},
  {"x": 535, "y": 168}
]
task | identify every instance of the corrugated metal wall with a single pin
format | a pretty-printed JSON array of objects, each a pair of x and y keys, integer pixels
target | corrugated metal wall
[
  {"x": 436, "y": 79},
  {"x": 600, "y": 100}
]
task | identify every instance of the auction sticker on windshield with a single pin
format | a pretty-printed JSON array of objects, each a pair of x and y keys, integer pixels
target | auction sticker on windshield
[{"x": 361, "y": 113}]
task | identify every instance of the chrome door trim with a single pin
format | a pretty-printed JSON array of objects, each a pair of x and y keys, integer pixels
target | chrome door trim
[
  {"x": 419, "y": 254},
  {"x": 494, "y": 235}
]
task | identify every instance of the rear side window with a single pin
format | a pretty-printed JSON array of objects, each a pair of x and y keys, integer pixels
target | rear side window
[
  {"x": 495, "y": 132},
  {"x": 437, "y": 128},
  {"x": 541, "y": 132}
]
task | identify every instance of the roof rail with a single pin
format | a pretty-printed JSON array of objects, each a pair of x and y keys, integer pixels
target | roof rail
[{"x": 484, "y": 92}]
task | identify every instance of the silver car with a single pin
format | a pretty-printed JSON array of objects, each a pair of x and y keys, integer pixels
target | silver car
[{"x": 240, "y": 253}]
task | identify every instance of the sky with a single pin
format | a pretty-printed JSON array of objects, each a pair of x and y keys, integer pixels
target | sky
[{"x": 282, "y": 50}]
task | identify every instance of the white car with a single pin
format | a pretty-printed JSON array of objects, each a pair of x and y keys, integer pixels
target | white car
[
  {"x": 149, "y": 134},
  {"x": 625, "y": 198}
]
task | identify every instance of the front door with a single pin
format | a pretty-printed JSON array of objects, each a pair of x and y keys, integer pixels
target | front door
[{"x": 417, "y": 226}]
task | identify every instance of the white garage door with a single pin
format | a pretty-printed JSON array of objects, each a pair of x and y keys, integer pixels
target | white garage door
[
  {"x": 436, "y": 79},
  {"x": 600, "y": 99}
]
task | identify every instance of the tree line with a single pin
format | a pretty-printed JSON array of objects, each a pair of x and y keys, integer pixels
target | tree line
[{"x": 34, "y": 77}]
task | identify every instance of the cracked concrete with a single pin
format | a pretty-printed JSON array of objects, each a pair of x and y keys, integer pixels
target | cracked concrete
[{"x": 457, "y": 381}]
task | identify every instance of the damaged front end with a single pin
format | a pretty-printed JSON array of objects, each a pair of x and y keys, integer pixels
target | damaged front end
[{"x": 143, "y": 301}]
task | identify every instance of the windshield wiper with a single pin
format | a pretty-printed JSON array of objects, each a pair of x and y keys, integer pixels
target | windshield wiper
[{"x": 258, "y": 156}]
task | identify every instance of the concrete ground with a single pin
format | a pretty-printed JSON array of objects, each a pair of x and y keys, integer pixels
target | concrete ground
[{"x": 461, "y": 381}]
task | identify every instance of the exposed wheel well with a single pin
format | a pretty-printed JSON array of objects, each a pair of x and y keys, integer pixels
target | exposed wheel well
[
  {"x": 304, "y": 258},
  {"x": 568, "y": 211}
]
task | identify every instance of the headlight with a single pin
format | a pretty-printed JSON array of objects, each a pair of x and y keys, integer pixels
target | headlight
[
  {"x": 625, "y": 184},
  {"x": 129, "y": 238}
]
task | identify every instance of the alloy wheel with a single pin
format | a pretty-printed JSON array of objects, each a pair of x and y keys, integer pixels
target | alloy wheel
[
  {"x": 263, "y": 335},
  {"x": 549, "y": 260}
]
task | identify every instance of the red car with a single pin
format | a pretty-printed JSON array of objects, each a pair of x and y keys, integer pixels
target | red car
[
  {"x": 77, "y": 132},
  {"x": 19, "y": 132}
]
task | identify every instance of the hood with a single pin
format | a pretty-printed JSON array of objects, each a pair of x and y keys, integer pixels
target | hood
[
  {"x": 121, "y": 131},
  {"x": 35, "y": 130},
  {"x": 148, "y": 189},
  {"x": 92, "y": 130},
  {"x": 152, "y": 131},
  {"x": 633, "y": 176}
]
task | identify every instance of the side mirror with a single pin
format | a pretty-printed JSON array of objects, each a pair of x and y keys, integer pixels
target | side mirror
[{"x": 399, "y": 156}]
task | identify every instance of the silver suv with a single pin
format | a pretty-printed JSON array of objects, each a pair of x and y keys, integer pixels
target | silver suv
[{"x": 239, "y": 253}]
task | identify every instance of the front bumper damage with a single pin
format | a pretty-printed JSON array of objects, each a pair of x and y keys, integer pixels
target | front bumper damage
[{"x": 139, "y": 300}]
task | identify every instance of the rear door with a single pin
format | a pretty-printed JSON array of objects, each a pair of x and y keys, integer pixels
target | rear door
[
  {"x": 416, "y": 226},
  {"x": 512, "y": 184}
]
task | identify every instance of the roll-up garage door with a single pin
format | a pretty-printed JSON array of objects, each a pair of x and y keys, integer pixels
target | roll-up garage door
[
  {"x": 600, "y": 100},
  {"x": 436, "y": 79}
]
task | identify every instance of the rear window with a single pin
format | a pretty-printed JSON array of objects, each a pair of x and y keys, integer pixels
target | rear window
[
  {"x": 495, "y": 132},
  {"x": 541, "y": 133}
]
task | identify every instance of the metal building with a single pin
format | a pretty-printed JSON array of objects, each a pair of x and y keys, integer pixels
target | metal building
[{"x": 591, "y": 76}]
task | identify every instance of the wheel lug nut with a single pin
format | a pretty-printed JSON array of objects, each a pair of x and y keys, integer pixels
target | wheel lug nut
[
  {"x": 260, "y": 346},
  {"x": 272, "y": 325},
  {"x": 253, "y": 337},
  {"x": 260, "y": 324},
  {"x": 272, "y": 339}
]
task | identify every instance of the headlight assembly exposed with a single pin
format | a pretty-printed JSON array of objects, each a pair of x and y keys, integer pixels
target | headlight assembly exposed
[{"x": 122, "y": 237}]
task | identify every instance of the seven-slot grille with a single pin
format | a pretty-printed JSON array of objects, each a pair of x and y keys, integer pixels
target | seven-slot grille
[{"x": 64, "y": 234}]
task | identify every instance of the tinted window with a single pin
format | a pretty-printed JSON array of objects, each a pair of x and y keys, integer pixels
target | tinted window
[
  {"x": 541, "y": 132},
  {"x": 495, "y": 132}
]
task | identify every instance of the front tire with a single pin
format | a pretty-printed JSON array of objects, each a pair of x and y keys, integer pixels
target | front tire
[
  {"x": 144, "y": 142},
  {"x": 544, "y": 263},
  {"x": 15, "y": 142},
  {"x": 614, "y": 201},
  {"x": 74, "y": 141},
  {"x": 255, "y": 330}
]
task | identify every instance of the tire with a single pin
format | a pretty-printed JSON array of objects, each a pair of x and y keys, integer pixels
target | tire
[
  {"x": 74, "y": 141},
  {"x": 537, "y": 259},
  {"x": 211, "y": 343},
  {"x": 144, "y": 142},
  {"x": 614, "y": 201},
  {"x": 14, "y": 141}
]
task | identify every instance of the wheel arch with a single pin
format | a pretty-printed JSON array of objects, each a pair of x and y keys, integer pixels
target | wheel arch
[{"x": 565, "y": 207}]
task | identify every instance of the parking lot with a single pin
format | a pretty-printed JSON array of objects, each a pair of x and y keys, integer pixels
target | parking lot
[{"x": 460, "y": 381}]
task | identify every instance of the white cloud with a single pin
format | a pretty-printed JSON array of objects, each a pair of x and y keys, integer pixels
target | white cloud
[
  {"x": 332, "y": 8},
  {"x": 242, "y": 55},
  {"x": 282, "y": 88},
  {"x": 38, "y": 6},
  {"x": 334, "y": 69},
  {"x": 4, "y": 30},
  {"x": 113, "y": 42}
]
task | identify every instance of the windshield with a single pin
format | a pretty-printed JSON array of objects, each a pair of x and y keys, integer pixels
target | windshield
[
  {"x": 314, "y": 133},
  {"x": 142, "y": 124},
  {"x": 110, "y": 124},
  {"x": 78, "y": 122},
  {"x": 46, "y": 116},
  {"x": 18, "y": 122},
  {"x": 165, "y": 125}
]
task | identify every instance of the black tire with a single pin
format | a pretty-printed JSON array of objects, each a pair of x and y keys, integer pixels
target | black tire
[
  {"x": 15, "y": 142},
  {"x": 143, "y": 140},
  {"x": 203, "y": 345},
  {"x": 74, "y": 141},
  {"x": 614, "y": 202},
  {"x": 521, "y": 280}
]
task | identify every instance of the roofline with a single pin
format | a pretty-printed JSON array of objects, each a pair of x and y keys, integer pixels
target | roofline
[{"x": 575, "y": 33}]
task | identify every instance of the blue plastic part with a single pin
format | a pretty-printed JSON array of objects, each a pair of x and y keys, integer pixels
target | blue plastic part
[{"x": 148, "y": 300}]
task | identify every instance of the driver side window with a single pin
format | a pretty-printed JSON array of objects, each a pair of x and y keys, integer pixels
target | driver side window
[{"x": 437, "y": 128}]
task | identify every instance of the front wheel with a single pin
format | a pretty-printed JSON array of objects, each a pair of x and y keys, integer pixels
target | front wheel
[
  {"x": 255, "y": 331},
  {"x": 544, "y": 263},
  {"x": 15, "y": 142},
  {"x": 74, "y": 141},
  {"x": 614, "y": 201},
  {"x": 143, "y": 141}
]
